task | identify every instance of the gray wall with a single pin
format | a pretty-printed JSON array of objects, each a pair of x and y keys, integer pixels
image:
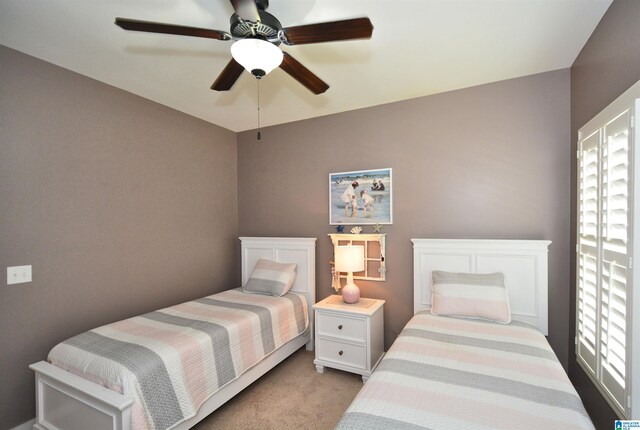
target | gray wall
[
  {"x": 485, "y": 162},
  {"x": 607, "y": 66},
  {"x": 121, "y": 205}
]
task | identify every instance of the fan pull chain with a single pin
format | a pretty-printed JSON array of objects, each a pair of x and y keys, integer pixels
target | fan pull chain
[{"x": 259, "y": 137}]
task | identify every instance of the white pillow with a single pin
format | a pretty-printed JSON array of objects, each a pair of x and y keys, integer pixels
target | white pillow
[
  {"x": 271, "y": 278},
  {"x": 470, "y": 295}
]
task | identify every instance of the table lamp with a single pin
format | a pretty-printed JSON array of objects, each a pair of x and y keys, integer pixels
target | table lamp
[{"x": 349, "y": 259}]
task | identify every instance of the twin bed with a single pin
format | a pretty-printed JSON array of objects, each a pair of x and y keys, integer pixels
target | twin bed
[
  {"x": 441, "y": 372},
  {"x": 173, "y": 367},
  {"x": 446, "y": 372}
]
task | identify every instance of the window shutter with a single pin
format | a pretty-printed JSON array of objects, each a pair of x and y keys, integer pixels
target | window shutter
[
  {"x": 604, "y": 253},
  {"x": 615, "y": 258},
  {"x": 588, "y": 218}
]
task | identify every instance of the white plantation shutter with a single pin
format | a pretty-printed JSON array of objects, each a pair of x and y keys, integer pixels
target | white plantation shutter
[
  {"x": 604, "y": 251},
  {"x": 588, "y": 237},
  {"x": 615, "y": 238}
]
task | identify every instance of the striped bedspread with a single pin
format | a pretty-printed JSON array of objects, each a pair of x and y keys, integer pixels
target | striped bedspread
[
  {"x": 172, "y": 360},
  {"x": 447, "y": 373}
]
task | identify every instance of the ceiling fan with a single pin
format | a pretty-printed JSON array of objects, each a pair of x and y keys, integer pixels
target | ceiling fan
[{"x": 257, "y": 35}]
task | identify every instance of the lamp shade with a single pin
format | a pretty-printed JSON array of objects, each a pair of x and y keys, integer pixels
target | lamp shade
[
  {"x": 349, "y": 258},
  {"x": 258, "y": 56}
]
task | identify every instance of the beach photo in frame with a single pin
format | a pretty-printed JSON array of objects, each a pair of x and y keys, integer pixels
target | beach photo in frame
[{"x": 361, "y": 197}]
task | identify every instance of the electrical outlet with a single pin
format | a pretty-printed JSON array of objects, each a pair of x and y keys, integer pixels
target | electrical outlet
[{"x": 18, "y": 274}]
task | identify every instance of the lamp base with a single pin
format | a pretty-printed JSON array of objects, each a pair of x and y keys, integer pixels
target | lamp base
[{"x": 350, "y": 293}]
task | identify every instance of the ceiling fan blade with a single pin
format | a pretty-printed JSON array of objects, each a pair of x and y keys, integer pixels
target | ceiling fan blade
[
  {"x": 349, "y": 29},
  {"x": 246, "y": 9},
  {"x": 157, "y": 27},
  {"x": 228, "y": 77},
  {"x": 303, "y": 75}
]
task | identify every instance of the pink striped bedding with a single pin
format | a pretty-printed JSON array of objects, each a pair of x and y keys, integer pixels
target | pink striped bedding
[
  {"x": 172, "y": 360},
  {"x": 448, "y": 373}
]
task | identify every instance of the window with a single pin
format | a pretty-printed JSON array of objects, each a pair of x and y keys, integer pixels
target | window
[{"x": 605, "y": 340}]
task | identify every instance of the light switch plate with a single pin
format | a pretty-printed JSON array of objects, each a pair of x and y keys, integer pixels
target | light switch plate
[{"x": 18, "y": 274}]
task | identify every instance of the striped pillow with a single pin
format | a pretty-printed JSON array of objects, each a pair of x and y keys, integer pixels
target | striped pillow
[
  {"x": 271, "y": 278},
  {"x": 471, "y": 295}
]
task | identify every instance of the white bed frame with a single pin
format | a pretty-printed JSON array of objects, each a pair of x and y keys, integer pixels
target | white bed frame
[
  {"x": 65, "y": 401},
  {"x": 523, "y": 262}
]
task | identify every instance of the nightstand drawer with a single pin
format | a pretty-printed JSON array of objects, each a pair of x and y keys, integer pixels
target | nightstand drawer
[
  {"x": 342, "y": 353},
  {"x": 341, "y": 327}
]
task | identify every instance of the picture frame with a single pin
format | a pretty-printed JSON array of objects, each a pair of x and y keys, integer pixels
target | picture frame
[{"x": 348, "y": 204}]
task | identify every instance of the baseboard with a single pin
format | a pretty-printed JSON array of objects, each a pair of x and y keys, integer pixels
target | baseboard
[{"x": 25, "y": 426}]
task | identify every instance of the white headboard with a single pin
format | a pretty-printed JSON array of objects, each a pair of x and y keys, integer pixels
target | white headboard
[
  {"x": 523, "y": 262},
  {"x": 299, "y": 250}
]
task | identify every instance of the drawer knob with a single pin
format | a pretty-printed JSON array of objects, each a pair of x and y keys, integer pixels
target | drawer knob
[
  {"x": 340, "y": 327},
  {"x": 340, "y": 353}
]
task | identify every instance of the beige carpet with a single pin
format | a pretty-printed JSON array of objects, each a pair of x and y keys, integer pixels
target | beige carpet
[{"x": 290, "y": 396}]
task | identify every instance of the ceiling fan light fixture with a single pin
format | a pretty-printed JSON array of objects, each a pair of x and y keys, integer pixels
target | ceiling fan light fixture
[{"x": 257, "y": 56}]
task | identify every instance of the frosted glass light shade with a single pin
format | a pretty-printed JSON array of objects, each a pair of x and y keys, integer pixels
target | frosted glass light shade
[
  {"x": 256, "y": 54},
  {"x": 349, "y": 258}
]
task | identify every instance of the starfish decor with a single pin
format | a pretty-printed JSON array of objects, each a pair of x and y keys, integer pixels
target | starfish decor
[
  {"x": 340, "y": 228},
  {"x": 376, "y": 228}
]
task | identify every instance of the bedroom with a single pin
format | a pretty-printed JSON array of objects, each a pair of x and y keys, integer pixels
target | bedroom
[{"x": 124, "y": 206}]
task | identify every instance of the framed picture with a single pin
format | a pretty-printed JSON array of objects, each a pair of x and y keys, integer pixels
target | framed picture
[{"x": 361, "y": 197}]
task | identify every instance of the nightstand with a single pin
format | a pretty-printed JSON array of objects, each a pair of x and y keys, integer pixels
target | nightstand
[{"x": 349, "y": 337}]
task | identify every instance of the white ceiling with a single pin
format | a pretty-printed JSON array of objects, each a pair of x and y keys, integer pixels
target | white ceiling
[{"x": 419, "y": 47}]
